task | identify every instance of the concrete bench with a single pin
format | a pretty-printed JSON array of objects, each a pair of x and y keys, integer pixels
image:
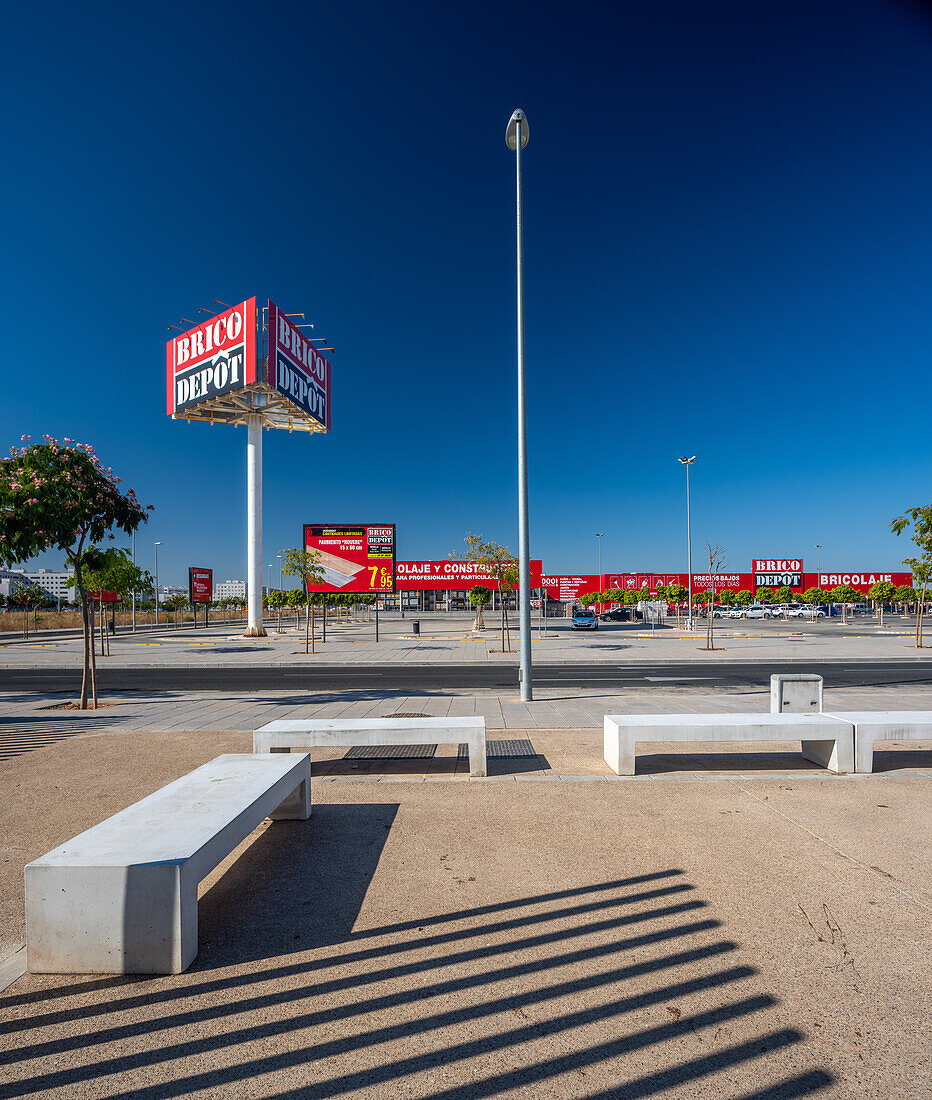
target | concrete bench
[
  {"x": 287, "y": 734},
  {"x": 825, "y": 740},
  {"x": 871, "y": 726},
  {"x": 121, "y": 898}
]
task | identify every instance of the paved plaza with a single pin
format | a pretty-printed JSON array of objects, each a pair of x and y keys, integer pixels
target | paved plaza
[
  {"x": 722, "y": 923},
  {"x": 450, "y": 640}
]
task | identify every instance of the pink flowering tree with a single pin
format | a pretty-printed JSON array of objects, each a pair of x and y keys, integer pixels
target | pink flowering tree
[{"x": 57, "y": 496}]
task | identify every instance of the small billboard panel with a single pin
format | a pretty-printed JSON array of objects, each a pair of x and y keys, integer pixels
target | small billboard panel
[
  {"x": 296, "y": 369},
  {"x": 212, "y": 359},
  {"x": 200, "y": 585},
  {"x": 777, "y": 572},
  {"x": 357, "y": 557}
]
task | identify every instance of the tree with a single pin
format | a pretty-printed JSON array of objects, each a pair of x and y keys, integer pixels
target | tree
[
  {"x": 27, "y": 596},
  {"x": 278, "y": 599},
  {"x": 844, "y": 594},
  {"x": 57, "y": 496},
  {"x": 764, "y": 595},
  {"x": 744, "y": 596},
  {"x": 881, "y": 593},
  {"x": 587, "y": 599},
  {"x": 500, "y": 564},
  {"x": 919, "y": 521},
  {"x": 716, "y": 557},
  {"x": 677, "y": 594},
  {"x": 479, "y": 597},
  {"x": 784, "y": 595},
  {"x": 905, "y": 595},
  {"x": 305, "y": 564},
  {"x": 296, "y": 598},
  {"x": 727, "y": 596},
  {"x": 112, "y": 570}
]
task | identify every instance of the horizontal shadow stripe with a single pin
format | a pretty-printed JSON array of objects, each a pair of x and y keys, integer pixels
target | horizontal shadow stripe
[
  {"x": 382, "y": 1035},
  {"x": 793, "y": 1086},
  {"x": 352, "y": 982},
  {"x": 393, "y": 1071}
]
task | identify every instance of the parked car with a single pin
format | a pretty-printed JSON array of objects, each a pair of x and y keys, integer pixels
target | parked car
[
  {"x": 585, "y": 620},
  {"x": 721, "y": 612},
  {"x": 805, "y": 612},
  {"x": 616, "y": 615},
  {"x": 736, "y": 612},
  {"x": 756, "y": 611}
]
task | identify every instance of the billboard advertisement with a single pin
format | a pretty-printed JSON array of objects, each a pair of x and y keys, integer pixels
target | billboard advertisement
[
  {"x": 569, "y": 586},
  {"x": 861, "y": 581},
  {"x": 200, "y": 585},
  {"x": 297, "y": 370},
  {"x": 418, "y": 576},
  {"x": 212, "y": 359},
  {"x": 357, "y": 557}
]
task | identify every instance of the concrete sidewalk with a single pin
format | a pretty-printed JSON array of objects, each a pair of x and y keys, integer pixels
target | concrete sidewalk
[{"x": 467, "y": 940}]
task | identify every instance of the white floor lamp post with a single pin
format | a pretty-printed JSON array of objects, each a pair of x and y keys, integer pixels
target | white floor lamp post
[
  {"x": 687, "y": 462},
  {"x": 516, "y": 137}
]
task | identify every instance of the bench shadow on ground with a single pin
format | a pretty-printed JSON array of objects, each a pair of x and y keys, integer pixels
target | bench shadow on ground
[
  {"x": 631, "y": 979},
  {"x": 662, "y": 763},
  {"x": 435, "y": 765}
]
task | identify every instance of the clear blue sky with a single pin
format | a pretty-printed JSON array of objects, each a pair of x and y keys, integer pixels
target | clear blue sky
[{"x": 728, "y": 248}]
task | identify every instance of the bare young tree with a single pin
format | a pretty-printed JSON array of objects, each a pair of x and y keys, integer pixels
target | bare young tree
[{"x": 716, "y": 556}]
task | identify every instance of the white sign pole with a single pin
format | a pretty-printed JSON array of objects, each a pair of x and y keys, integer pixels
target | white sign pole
[{"x": 254, "y": 627}]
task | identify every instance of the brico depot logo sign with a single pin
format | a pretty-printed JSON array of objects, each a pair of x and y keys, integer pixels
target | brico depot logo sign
[
  {"x": 213, "y": 358},
  {"x": 777, "y": 572},
  {"x": 296, "y": 368}
]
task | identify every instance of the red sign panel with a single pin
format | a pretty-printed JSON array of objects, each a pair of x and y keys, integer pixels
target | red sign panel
[
  {"x": 213, "y": 358},
  {"x": 420, "y": 576},
  {"x": 356, "y": 557},
  {"x": 200, "y": 585},
  {"x": 570, "y": 586},
  {"x": 861, "y": 581},
  {"x": 296, "y": 368}
]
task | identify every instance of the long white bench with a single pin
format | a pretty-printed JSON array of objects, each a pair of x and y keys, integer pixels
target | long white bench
[
  {"x": 308, "y": 733},
  {"x": 871, "y": 726},
  {"x": 825, "y": 740},
  {"x": 121, "y": 898}
]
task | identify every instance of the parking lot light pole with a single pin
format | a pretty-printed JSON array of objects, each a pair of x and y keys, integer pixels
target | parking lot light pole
[
  {"x": 157, "y": 545},
  {"x": 600, "y": 536},
  {"x": 687, "y": 462},
  {"x": 516, "y": 137},
  {"x": 818, "y": 547}
]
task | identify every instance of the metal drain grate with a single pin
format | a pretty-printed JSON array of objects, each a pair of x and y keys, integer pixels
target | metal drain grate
[
  {"x": 518, "y": 746},
  {"x": 390, "y": 752},
  {"x": 408, "y": 715},
  {"x": 17, "y": 740}
]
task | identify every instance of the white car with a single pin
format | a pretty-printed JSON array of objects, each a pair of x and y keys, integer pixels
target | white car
[
  {"x": 807, "y": 613},
  {"x": 757, "y": 612}
]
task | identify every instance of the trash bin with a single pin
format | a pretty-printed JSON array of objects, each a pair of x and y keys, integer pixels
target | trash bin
[{"x": 415, "y": 626}]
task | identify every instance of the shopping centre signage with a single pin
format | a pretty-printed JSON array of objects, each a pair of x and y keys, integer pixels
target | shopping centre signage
[
  {"x": 296, "y": 369},
  {"x": 213, "y": 358},
  {"x": 356, "y": 557},
  {"x": 777, "y": 572},
  {"x": 417, "y": 576}
]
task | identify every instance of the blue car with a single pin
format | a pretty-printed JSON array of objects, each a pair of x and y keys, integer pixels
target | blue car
[{"x": 585, "y": 620}]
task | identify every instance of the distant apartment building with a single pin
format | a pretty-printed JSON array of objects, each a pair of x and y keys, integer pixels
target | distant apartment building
[
  {"x": 53, "y": 582},
  {"x": 225, "y": 590},
  {"x": 9, "y": 579}
]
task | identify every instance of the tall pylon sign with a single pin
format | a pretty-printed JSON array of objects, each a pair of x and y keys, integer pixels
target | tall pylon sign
[{"x": 256, "y": 368}]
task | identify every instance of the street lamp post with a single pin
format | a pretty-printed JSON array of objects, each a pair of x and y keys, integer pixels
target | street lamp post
[
  {"x": 134, "y": 587},
  {"x": 516, "y": 137},
  {"x": 600, "y": 536},
  {"x": 157, "y": 545},
  {"x": 818, "y": 547},
  {"x": 687, "y": 462},
  {"x": 281, "y": 575}
]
